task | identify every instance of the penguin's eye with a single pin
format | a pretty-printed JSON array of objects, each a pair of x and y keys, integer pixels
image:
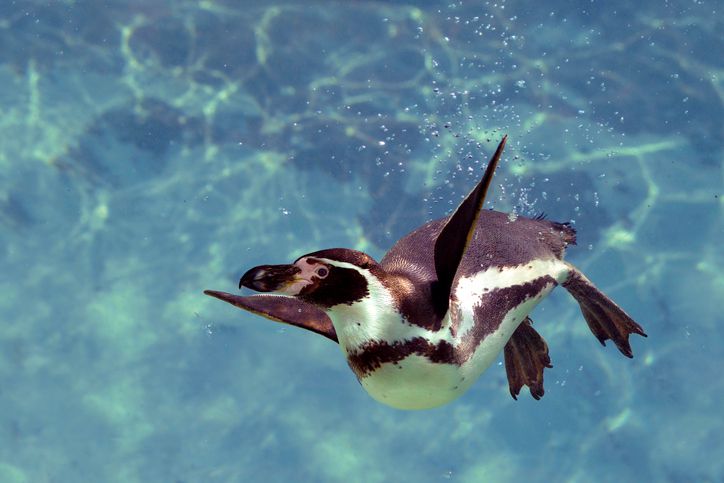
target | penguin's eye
[{"x": 322, "y": 272}]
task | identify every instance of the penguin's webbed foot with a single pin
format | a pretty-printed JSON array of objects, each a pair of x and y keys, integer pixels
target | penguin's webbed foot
[
  {"x": 605, "y": 319},
  {"x": 526, "y": 356}
]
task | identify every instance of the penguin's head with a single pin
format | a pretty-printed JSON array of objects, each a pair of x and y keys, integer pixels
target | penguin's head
[{"x": 326, "y": 278}]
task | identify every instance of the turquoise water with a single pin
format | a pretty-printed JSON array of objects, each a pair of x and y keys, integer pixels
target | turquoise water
[{"x": 151, "y": 150}]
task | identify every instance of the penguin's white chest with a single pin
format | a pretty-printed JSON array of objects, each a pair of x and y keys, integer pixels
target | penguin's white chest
[
  {"x": 409, "y": 367},
  {"x": 417, "y": 382}
]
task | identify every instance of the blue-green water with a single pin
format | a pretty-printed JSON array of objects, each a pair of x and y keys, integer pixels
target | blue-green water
[{"x": 151, "y": 150}]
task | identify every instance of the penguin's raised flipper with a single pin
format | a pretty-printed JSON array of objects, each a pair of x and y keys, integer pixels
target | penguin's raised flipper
[
  {"x": 526, "y": 355},
  {"x": 280, "y": 308},
  {"x": 605, "y": 319},
  {"x": 459, "y": 228}
]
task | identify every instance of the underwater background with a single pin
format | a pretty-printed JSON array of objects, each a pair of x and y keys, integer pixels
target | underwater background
[{"x": 153, "y": 149}]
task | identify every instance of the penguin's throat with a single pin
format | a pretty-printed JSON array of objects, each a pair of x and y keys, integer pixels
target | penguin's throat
[
  {"x": 374, "y": 318},
  {"x": 365, "y": 320},
  {"x": 377, "y": 320}
]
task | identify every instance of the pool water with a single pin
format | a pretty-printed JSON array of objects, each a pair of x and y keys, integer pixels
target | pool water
[{"x": 151, "y": 150}]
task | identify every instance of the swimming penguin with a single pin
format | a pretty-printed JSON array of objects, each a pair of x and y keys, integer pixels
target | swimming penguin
[{"x": 419, "y": 327}]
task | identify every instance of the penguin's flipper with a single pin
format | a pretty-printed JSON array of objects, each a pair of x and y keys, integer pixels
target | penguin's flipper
[
  {"x": 280, "y": 308},
  {"x": 460, "y": 226},
  {"x": 526, "y": 355},
  {"x": 605, "y": 319}
]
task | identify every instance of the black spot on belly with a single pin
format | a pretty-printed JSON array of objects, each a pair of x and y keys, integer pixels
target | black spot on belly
[{"x": 372, "y": 355}]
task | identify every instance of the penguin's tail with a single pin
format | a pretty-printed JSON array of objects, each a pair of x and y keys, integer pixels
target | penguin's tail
[
  {"x": 568, "y": 233},
  {"x": 605, "y": 319}
]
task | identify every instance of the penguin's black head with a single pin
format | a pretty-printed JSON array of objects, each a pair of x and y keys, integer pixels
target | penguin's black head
[{"x": 324, "y": 278}]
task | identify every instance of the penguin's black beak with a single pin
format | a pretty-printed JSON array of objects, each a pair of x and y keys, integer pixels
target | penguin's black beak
[{"x": 270, "y": 278}]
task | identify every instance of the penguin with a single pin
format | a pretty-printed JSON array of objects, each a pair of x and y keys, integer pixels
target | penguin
[{"x": 419, "y": 327}]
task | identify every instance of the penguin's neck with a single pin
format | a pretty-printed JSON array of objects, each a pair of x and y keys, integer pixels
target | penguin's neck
[{"x": 378, "y": 318}]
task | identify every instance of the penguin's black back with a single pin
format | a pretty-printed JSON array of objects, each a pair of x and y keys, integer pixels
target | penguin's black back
[{"x": 499, "y": 240}]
